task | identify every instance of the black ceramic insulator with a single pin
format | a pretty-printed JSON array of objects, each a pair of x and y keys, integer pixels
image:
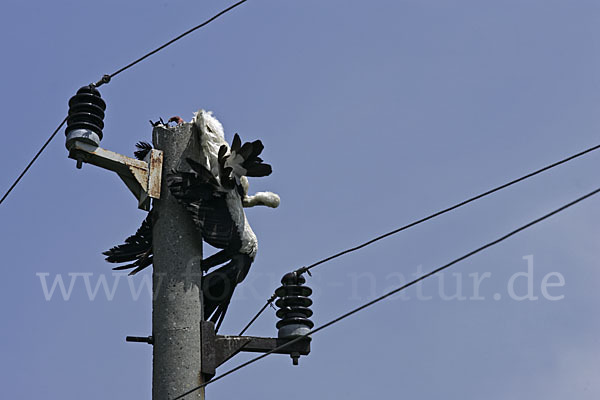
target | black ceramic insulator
[
  {"x": 86, "y": 111},
  {"x": 293, "y": 301}
]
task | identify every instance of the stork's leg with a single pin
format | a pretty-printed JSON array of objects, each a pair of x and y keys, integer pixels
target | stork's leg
[
  {"x": 222, "y": 310},
  {"x": 218, "y": 258}
]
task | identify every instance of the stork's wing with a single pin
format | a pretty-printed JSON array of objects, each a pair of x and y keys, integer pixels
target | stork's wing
[
  {"x": 137, "y": 248},
  {"x": 143, "y": 148},
  {"x": 201, "y": 195}
]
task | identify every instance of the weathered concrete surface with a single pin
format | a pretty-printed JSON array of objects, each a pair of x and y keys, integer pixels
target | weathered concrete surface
[{"x": 177, "y": 304}]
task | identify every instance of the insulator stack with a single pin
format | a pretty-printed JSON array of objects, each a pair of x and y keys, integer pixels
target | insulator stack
[
  {"x": 293, "y": 304},
  {"x": 86, "y": 117}
]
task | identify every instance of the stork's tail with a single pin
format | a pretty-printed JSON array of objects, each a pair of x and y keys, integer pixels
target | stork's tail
[
  {"x": 137, "y": 248},
  {"x": 242, "y": 160}
]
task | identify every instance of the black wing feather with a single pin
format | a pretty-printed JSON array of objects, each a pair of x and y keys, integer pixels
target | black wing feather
[{"x": 143, "y": 148}]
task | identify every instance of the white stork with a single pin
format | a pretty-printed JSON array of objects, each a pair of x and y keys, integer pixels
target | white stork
[{"x": 214, "y": 193}]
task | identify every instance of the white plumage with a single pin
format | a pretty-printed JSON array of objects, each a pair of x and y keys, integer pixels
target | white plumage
[{"x": 211, "y": 136}]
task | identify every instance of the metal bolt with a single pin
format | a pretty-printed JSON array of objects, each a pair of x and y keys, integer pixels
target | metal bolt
[
  {"x": 138, "y": 339},
  {"x": 295, "y": 357}
]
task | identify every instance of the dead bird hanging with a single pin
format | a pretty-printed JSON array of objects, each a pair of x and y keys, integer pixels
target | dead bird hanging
[{"x": 214, "y": 190}]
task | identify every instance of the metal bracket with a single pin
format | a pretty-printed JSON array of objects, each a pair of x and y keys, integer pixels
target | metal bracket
[
  {"x": 216, "y": 349},
  {"x": 143, "y": 178}
]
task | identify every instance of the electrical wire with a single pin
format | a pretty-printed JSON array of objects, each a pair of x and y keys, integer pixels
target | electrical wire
[
  {"x": 444, "y": 211},
  {"x": 106, "y": 79},
  {"x": 392, "y": 292},
  {"x": 267, "y": 304},
  {"x": 436, "y": 214},
  {"x": 33, "y": 160}
]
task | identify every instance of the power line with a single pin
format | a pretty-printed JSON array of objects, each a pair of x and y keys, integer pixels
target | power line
[
  {"x": 472, "y": 199},
  {"x": 267, "y": 304},
  {"x": 33, "y": 160},
  {"x": 436, "y": 214},
  {"x": 391, "y": 293},
  {"x": 106, "y": 79}
]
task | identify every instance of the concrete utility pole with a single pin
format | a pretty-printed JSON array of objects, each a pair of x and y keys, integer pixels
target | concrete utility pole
[{"x": 177, "y": 291}]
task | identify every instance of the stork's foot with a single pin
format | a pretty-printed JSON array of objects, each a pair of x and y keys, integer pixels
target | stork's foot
[{"x": 267, "y": 199}]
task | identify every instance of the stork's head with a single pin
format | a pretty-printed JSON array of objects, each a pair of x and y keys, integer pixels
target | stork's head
[{"x": 208, "y": 124}]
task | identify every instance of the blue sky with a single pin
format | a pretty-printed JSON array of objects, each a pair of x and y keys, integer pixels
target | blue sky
[{"x": 373, "y": 114}]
